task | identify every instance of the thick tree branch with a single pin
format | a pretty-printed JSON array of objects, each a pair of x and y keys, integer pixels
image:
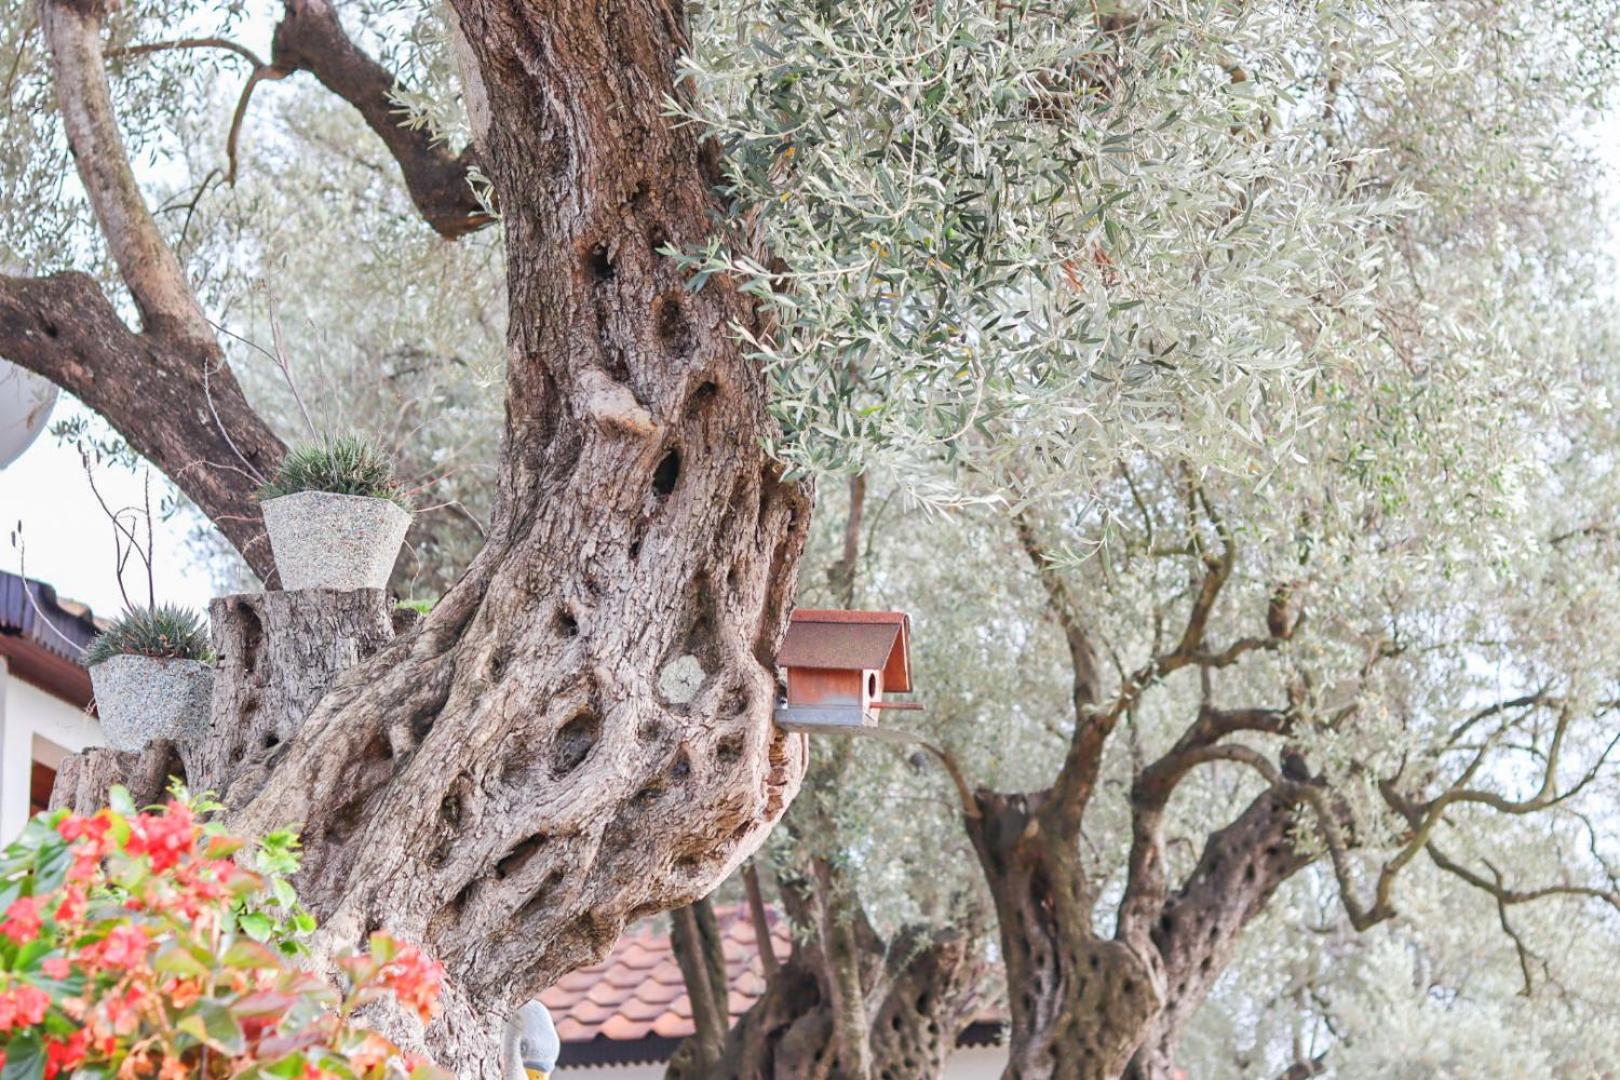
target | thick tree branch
[
  {"x": 761, "y": 920},
  {"x": 1072, "y": 788},
  {"x": 695, "y": 940},
  {"x": 1094, "y": 723},
  {"x": 310, "y": 38},
  {"x": 167, "y": 390},
  {"x": 1194, "y": 932},
  {"x": 167, "y": 305},
  {"x": 1196, "y": 745},
  {"x": 175, "y": 402}
]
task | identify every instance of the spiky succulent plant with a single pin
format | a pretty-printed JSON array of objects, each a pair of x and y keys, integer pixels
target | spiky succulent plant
[
  {"x": 164, "y": 632},
  {"x": 346, "y": 465}
]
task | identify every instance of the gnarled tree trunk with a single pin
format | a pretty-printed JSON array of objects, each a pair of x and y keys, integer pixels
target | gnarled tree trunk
[
  {"x": 513, "y": 781},
  {"x": 1079, "y": 1005},
  {"x": 916, "y": 991},
  {"x": 1086, "y": 1006},
  {"x": 1195, "y": 930}
]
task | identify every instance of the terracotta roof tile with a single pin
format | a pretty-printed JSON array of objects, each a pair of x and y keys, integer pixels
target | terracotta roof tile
[
  {"x": 638, "y": 988},
  {"x": 625, "y": 1030}
]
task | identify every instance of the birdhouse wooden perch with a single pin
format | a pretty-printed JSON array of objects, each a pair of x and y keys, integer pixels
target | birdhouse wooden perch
[{"x": 840, "y": 664}]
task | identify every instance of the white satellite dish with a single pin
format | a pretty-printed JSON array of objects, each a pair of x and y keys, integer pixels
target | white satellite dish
[{"x": 26, "y": 401}]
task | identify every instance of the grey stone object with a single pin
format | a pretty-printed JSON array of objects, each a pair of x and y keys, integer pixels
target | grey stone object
[
  {"x": 327, "y": 541},
  {"x": 141, "y": 698}
]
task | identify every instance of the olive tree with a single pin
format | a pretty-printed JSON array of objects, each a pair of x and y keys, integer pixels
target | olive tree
[{"x": 998, "y": 251}]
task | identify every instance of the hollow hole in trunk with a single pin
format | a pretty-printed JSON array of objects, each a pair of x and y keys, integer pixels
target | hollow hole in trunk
[
  {"x": 667, "y": 473},
  {"x": 347, "y": 820},
  {"x": 252, "y": 638},
  {"x": 539, "y": 903},
  {"x": 521, "y": 855},
  {"x": 681, "y": 771},
  {"x": 728, "y": 751},
  {"x": 599, "y": 263},
  {"x": 270, "y": 741},
  {"x": 674, "y": 328},
  {"x": 441, "y": 851},
  {"x": 706, "y": 391},
  {"x": 567, "y": 624},
  {"x": 574, "y": 742},
  {"x": 450, "y": 810}
]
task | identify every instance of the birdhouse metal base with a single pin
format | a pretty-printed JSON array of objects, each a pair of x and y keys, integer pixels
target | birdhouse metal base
[
  {"x": 824, "y": 721},
  {"x": 834, "y": 719}
]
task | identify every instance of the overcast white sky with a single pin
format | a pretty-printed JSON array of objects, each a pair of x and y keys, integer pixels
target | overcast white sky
[{"x": 68, "y": 540}]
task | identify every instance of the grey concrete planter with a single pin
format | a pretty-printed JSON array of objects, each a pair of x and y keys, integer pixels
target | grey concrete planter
[
  {"x": 326, "y": 541},
  {"x": 141, "y": 698}
]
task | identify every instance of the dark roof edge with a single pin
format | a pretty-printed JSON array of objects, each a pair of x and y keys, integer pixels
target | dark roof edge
[
  {"x": 656, "y": 1049},
  {"x": 29, "y": 609}
]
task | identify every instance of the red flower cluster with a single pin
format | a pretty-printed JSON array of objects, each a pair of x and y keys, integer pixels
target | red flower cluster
[{"x": 124, "y": 952}]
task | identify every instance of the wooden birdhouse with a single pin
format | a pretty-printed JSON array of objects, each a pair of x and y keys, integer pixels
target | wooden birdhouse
[{"x": 840, "y": 665}]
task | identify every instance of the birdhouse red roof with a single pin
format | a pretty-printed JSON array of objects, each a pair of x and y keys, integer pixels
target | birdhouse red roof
[{"x": 851, "y": 641}]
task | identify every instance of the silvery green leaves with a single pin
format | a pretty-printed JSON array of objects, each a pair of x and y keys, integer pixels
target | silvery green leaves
[{"x": 1027, "y": 238}]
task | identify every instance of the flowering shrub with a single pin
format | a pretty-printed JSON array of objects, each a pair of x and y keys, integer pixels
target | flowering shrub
[{"x": 128, "y": 949}]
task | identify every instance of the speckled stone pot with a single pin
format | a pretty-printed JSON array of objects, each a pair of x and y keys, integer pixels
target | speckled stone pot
[
  {"x": 141, "y": 698},
  {"x": 326, "y": 541}
]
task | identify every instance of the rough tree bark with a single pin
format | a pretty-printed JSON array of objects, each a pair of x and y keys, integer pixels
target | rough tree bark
[
  {"x": 513, "y": 781},
  {"x": 84, "y": 780},
  {"x": 278, "y": 654},
  {"x": 1078, "y": 1002}
]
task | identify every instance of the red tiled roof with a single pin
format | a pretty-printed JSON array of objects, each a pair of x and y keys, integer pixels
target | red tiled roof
[{"x": 638, "y": 990}]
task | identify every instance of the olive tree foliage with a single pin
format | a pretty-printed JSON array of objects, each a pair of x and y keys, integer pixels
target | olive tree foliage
[
  {"x": 1440, "y": 993},
  {"x": 1030, "y": 238}
]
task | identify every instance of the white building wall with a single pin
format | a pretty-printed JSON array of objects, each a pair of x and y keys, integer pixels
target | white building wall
[
  {"x": 976, "y": 1063},
  {"x": 34, "y": 726}
]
